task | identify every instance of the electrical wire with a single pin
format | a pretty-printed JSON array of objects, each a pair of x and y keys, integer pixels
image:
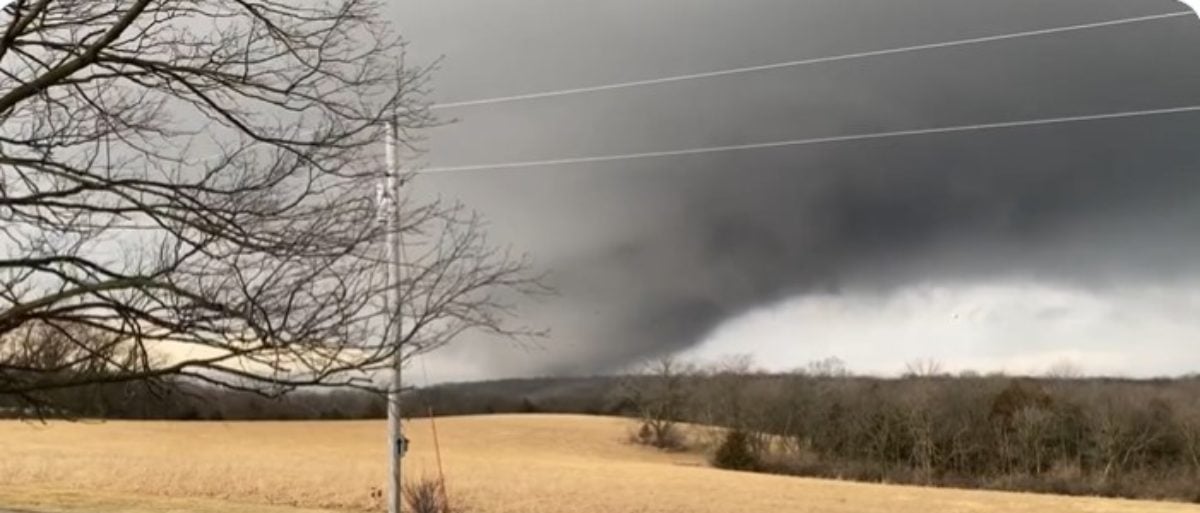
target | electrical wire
[
  {"x": 811, "y": 141},
  {"x": 789, "y": 143},
  {"x": 796, "y": 142},
  {"x": 804, "y": 62}
]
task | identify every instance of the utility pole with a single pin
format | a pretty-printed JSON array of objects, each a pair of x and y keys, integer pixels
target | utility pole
[{"x": 390, "y": 205}]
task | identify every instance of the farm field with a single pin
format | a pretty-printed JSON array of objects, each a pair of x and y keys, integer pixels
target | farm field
[{"x": 494, "y": 464}]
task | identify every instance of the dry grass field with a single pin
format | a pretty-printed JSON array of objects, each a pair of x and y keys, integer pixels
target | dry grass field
[{"x": 494, "y": 464}]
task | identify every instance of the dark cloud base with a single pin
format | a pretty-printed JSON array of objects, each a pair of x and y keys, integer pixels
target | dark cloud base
[{"x": 666, "y": 249}]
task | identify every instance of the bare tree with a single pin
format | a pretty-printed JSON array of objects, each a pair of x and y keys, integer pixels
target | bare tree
[
  {"x": 830, "y": 367},
  {"x": 919, "y": 414},
  {"x": 190, "y": 184},
  {"x": 731, "y": 385},
  {"x": 1189, "y": 426},
  {"x": 1128, "y": 426},
  {"x": 1031, "y": 429},
  {"x": 659, "y": 394},
  {"x": 1064, "y": 369},
  {"x": 923, "y": 368}
]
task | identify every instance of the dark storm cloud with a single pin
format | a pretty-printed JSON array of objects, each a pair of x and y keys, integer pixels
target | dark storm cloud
[{"x": 664, "y": 250}]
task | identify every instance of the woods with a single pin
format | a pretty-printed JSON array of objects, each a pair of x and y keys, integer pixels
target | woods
[{"x": 1088, "y": 436}]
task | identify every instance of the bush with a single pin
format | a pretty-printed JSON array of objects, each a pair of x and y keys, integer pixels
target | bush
[
  {"x": 643, "y": 435},
  {"x": 426, "y": 496},
  {"x": 667, "y": 437},
  {"x": 735, "y": 453}
]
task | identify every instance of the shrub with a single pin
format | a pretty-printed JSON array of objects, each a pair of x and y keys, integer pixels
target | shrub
[
  {"x": 735, "y": 453},
  {"x": 667, "y": 437},
  {"x": 426, "y": 496},
  {"x": 644, "y": 435},
  {"x": 670, "y": 438}
]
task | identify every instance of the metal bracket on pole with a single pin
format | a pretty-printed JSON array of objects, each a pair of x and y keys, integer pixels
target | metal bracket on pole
[{"x": 401, "y": 446}]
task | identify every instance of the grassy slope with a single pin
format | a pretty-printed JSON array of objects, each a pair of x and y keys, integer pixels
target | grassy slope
[{"x": 528, "y": 464}]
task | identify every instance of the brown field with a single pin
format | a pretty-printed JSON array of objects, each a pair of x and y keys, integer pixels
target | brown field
[{"x": 495, "y": 464}]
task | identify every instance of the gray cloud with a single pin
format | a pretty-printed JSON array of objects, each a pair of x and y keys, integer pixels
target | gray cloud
[{"x": 651, "y": 255}]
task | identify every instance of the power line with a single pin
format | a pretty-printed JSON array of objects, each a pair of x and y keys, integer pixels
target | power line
[
  {"x": 804, "y": 62},
  {"x": 780, "y": 144},
  {"x": 812, "y": 141},
  {"x": 794, "y": 142}
]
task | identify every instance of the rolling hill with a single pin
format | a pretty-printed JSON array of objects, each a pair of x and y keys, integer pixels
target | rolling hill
[{"x": 493, "y": 464}]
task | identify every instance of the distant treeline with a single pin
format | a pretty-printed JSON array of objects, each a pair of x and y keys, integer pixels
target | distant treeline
[
  {"x": 177, "y": 400},
  {"x": 180, "y": 400},
  {"x": 1060, "y": 434},
  {"x": 1073, "y": 435},
  {"x": 1138, "y": 439}
]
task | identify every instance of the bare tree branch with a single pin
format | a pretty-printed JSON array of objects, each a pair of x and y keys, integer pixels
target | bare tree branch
[{"x": 186, "y": 192}]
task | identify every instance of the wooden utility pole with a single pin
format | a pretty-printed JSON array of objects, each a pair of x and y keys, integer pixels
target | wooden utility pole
[{"x": 397, "y": 444}]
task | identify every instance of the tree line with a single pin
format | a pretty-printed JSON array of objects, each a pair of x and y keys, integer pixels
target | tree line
[
  {"x": 1059, "y": 433},
  {"x": 183, "y": 401},
  {"x": 187, "y": 400}
]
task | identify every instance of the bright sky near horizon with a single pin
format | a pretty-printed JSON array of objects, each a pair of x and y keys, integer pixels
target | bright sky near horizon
[{"x": 1194, "y": 4}]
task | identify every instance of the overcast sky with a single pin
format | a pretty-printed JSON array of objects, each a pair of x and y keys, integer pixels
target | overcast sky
[{"x": 1012, "y": 249}]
